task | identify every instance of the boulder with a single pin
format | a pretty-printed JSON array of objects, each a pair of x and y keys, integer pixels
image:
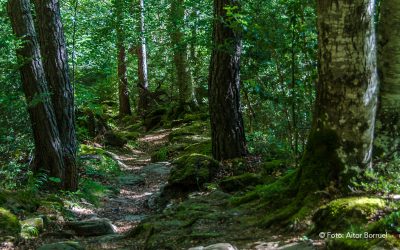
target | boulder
[
  {"x": 9, "y": 223},
  {"x": 341, "y": 214},
  {"x": 240, "y": 182},
  {"x": 114, "y": 140},
  {"x": 67, "y": 245},
  {"x": 219, "y": 246},
  {"x": 94, "y": 227},
  {"x": 190, "y": 172}
]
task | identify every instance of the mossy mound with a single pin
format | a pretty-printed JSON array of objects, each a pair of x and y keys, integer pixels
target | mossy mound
[
  {"x": 114, "y": 139},
  {"x": 363, "y": 243},
  {"x": 19, "y": 202},
  {"x": 190, "y": 173},
  {"x": 9, "y": 223},
  {"x": 240, "y": 182},
  {"x": 193, "y": 170},
  {"x": 341, "y": 214},
  {"x": 203, "y": 148},
  {"x": 195, "y": 128},
  {"x": 154, "y": 118},
  {"x": 273, "y": 166}
]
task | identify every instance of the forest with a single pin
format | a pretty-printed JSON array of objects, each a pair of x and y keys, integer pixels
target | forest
[{"x": 199, "y": 125}]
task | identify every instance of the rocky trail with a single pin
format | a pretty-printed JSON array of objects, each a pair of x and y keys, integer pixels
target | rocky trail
[
  {"x": 203, "y": 219},
  {"x": 101, "y": 227}
]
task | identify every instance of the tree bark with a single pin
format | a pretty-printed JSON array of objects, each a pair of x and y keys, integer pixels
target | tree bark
[
  {"x": 227, "y": 130},
  {"x": 387, "y": 142},
  {"x": 142, "y": 64},
  {"x": 343, "y": 127},
  {"x": 184, "y": 78},
  {"x": 55, "y": 62},
  {"x": 48, "y": 148},
  {"x": 124, "y": 103}
]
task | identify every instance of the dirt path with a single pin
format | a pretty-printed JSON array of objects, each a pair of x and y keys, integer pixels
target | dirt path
[{"x": 138, "y": 185}]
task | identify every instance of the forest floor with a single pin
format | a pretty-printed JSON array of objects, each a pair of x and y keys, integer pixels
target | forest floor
[{"x": 200, "y": 219}]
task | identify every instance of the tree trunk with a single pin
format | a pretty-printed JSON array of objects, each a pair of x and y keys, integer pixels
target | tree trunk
[
  {"x": 124, "y": 104},
  {"x": 343, "y": 128},
  {"x": 184, "y": 78},
  {"x": 227, "y": 131},
  {"x": 142, "y": 64},
  {"x": 387, "y": 143},
  {"x": 55, "y": 62},
  {"x": 48, "y": 149}
]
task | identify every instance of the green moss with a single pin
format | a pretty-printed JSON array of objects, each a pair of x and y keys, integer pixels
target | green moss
[
  {"x": 127, "y": 135},
  {"x": 241, "y": 182},
  {"x": 9, "y": 223},
  {"x": 273, "y": 166},
  {"x": 195, "y": 117},
  {"x": 196, "y": 128},
  {"x": 160, "y": 155},
  {"x": 17, "y": 201},
  {"x": 276, "y": 191},
  {"x": 193, "y": 170},
  {"x": 320, "y": 165},
  {"x": 346, "y": 213},
  {"x": 90, "y": 150},
  {"x": 350, "y": 244},
  {"x": 93, "y": 191},
  {"x": 203, "y": 148}
]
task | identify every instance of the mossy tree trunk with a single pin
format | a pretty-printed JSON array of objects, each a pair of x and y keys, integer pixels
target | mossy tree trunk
[
  {"x": 142, "y": 64},
  {"x": 55, "y": 61},
  {"x": 387, "y": 142},
  {"x": 48, "y": 148},
  {"x": 184, "y": 78},
  {"x": 343, "y": 128},
  {"x": 227, "y": 130},
  {"x": 123, "y": 92}
]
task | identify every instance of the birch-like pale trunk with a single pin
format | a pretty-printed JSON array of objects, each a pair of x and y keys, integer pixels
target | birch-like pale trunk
[
  {"x": 387, "y": 142},
  {"x": 343, "y": 128},
  {"x": 142, "y": 63}
]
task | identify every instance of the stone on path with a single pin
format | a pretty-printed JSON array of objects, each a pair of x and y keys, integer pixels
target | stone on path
[
  {"x": 95, "y": 227},
  {"x": 219, "y": 246}
]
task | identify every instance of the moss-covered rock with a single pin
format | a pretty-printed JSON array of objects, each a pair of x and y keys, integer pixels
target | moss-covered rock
[
  {"x": 189, "y": 174},
  {"x": 273, "y": 166},
  {"x": 129, "y": 135},
  {"x": 195, "y": 128},
  {"x": 203, "y": 148},
  {"x": 341, "y": 214},
  {"x": 360, "y": 241},
  {"x": 241, "y": 182},
  {"x": 9, "y": 223},
  {"x": 114, "y": 139},
  {"x": 154, "y": 118},
  {"x": 19, "y": 201}
]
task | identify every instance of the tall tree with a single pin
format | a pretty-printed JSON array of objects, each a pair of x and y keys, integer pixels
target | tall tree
[
  {"x": 343, "y": 128},
  {"x": 184, "y": 78},
  {"x": 55, "y": 61},
  {"x": 387, "y": 143},
  {"x": 124, "y": 103},
  {"x": 142, "y": 63},
  {"x": 227, "y": 130},
  {"x": 48, "y": 149}
]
